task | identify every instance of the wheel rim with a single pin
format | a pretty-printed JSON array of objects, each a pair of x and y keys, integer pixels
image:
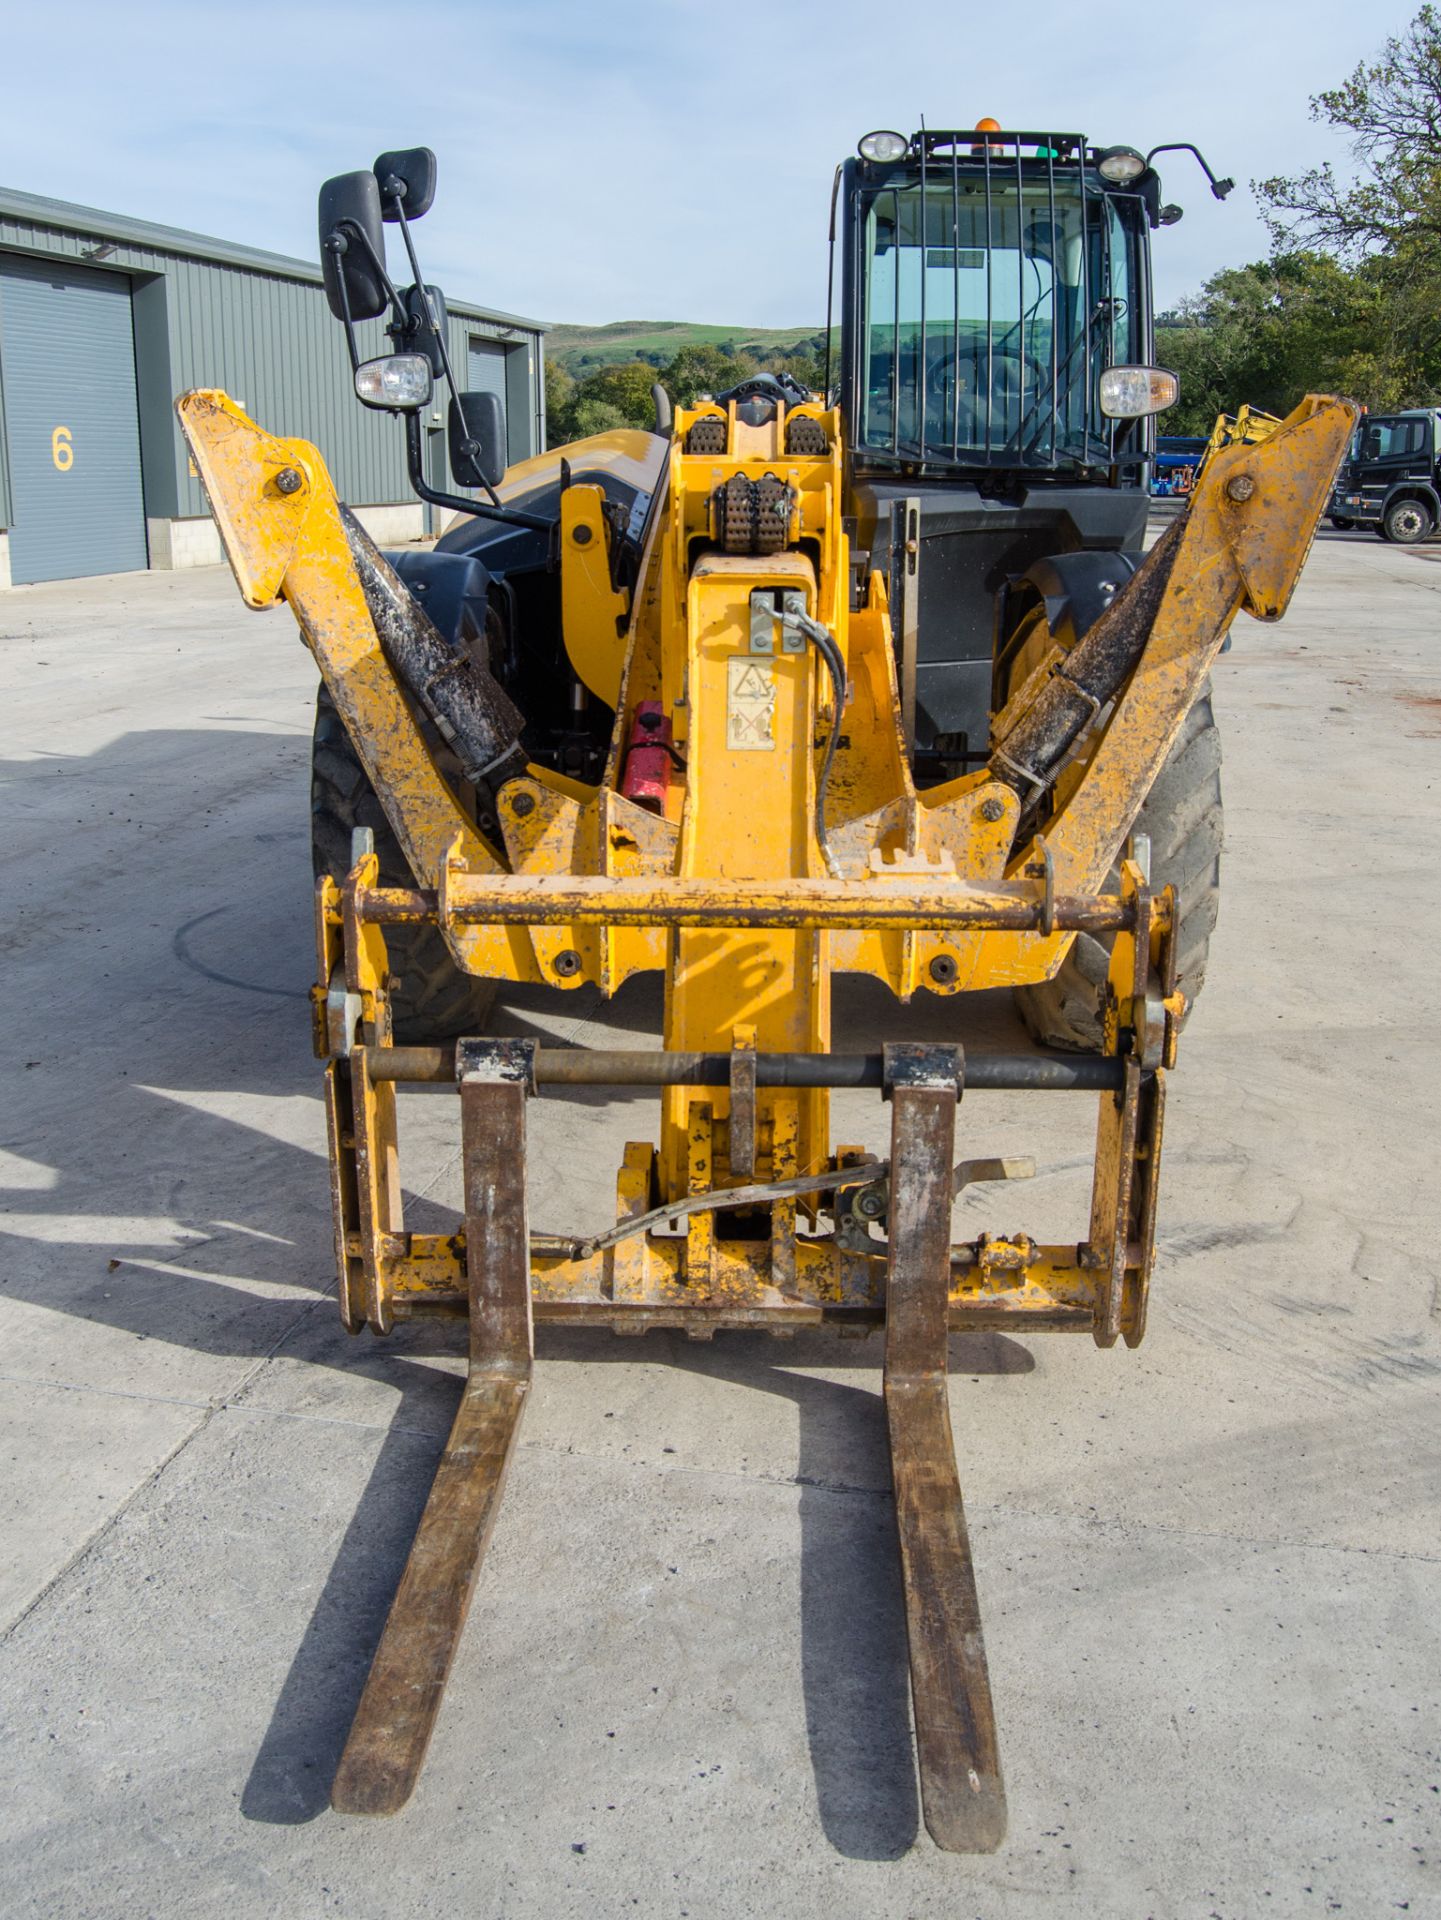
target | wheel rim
[{"x": 1409, "y": 522}]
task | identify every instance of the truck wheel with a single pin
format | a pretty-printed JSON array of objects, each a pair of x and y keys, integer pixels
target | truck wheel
[
  {"x": 432, "y": 999},
  {"x": 1341, "y": 524},
  {"x": 1407, "y": 522},
  {"x": 1182, "y": 818}
]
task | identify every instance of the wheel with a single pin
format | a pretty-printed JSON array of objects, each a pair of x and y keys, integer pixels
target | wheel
[
  {"x": 1182, "y": 819},
  {"x": 1407, "y": 522},
  {"x": 1341, "y": 524},
  {"x": 431, "y": 998}
]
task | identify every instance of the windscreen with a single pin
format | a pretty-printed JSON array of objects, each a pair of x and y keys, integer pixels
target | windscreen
[{"x": 992, "y": 301}]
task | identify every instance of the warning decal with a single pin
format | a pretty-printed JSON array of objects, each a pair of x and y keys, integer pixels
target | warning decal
[{"x": 750, "y": 702}]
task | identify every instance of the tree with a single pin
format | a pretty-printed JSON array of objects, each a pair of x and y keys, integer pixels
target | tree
[
  {"x": 603, "y": 398},
  {"x": 559, "y": 404},
  {"x": 1273, "y": 331},
  {"x": 703, "y": 369},
  {"x": 1391, "y": 108}
]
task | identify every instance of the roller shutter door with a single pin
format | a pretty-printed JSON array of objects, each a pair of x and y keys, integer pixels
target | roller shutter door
[
  {"x": 487, "y": 375},
  {"x": 67, "y": 359}
]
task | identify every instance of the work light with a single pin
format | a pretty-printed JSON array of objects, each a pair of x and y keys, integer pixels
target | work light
[
  {"x": 400, "y": 381},
  {"x": 884, "y": 146},
  {"x": 1120, "y": 165}
]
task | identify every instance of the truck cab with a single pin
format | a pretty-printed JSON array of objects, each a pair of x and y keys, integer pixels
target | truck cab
[{"x": 1391, "y": 479}]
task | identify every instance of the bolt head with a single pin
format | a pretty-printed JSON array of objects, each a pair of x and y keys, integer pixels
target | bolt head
[
  {"x": 288, "y": 480},
  {"x": 567, "y": 963},
  {"x": 581, "y": 536},
  {"x": 992, "y": 808},
  {"x": 522, "y": 804},
  {"x": 1241, "y": 488},
  {"x": 943, "y": 969}
]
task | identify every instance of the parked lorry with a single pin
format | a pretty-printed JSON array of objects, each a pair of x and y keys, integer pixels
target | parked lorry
[{"x": 1390, "y": 481}]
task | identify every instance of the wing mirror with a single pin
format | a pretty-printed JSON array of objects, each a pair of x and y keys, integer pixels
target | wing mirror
[
  {"x": 477, "y": 439},
  {"x": 352, "y": 246},
  {"x": 407, "y": 176}
]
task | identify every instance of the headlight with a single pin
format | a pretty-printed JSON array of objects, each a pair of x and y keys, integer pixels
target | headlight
[
  {"x": 1120, "y": 165},
  {"x": 400, "y": 380},
  {"x": 1129, "y": 393},
  {"x": 884, "y": 146}
]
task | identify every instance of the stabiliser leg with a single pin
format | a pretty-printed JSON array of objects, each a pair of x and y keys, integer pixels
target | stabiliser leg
[
  {"x": 962, "y": 1794},
  {"x": 397, "y": 1711}
]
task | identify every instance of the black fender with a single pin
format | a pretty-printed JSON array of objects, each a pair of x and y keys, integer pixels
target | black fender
[
  {"x": 1074, "y": 588},
  {"x": 1413, "y": 490},
  {"x": 453, "y": 588}
]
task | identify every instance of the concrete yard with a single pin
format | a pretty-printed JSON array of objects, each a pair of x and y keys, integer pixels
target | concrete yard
[{"x": 1210, "y": 1570}]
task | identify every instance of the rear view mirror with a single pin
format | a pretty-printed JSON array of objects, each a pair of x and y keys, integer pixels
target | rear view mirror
[
  {"x": 352, "y": 246},
  {"x": 425, "y": 324},
  {"x": 412, "y": 170},
  {"x": 477, "y": 439}
]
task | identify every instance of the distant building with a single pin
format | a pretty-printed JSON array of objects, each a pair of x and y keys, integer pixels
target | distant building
[{"x": 104, "y": 320}]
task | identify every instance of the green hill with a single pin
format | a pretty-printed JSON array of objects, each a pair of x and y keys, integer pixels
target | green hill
[{"x": 581, "y": 349}]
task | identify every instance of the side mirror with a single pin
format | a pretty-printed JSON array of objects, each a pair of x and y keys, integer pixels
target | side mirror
[
  {"x": 425, "y": 324},
  {"x": 477, "y": 439},
  {"x": 352, "y": 246},
  {"x": 412, "y": 171}
]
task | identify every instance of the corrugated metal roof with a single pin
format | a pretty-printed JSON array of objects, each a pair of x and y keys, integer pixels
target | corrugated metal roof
[{"x": 63, "y": 214}]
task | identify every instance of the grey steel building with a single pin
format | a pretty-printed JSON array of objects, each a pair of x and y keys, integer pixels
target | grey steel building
[{"x": 104, "y": 320}]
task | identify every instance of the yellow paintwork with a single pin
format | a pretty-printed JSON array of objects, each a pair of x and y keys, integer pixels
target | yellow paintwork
[
  {"x": 729, "y": 894},
  {"x": 593, "y": 612}
]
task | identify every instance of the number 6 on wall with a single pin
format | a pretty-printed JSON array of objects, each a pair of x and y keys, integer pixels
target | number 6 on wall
[{"x": 61, "y": 451}]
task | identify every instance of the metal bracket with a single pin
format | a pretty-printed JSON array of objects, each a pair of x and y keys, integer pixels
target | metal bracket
[
  {"x": 920, "y": 1064},
  {"x": 767, "y": 606},
  {"x": 499, "y": 1061}
]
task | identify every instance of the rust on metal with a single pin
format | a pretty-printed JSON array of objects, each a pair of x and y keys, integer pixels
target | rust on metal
[
  {"x": 960, "y": 1769},
  {"x": 397, "y": 1712}
]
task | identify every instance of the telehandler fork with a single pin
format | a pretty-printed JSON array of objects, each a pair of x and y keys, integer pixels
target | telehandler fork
[{"x": 789, "y": 843}]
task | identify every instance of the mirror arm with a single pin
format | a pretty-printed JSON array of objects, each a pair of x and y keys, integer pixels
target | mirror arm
[
  {"x": 456, "y": 502},
  {"x": 1219, "y": 188},
  {"x": 344, "y": 232},
  {"x": 439, "y": 332},
  {"x": 337, "y": 244}
]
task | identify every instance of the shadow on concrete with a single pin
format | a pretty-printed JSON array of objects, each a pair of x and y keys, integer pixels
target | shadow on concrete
[
  {"x": 854, "y": 1666},
  {"x": 205, "y": 1009}
]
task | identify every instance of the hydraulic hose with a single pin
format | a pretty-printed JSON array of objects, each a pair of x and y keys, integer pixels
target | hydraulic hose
[
  {"x": 825, "y": 644},
  {"x": 1092, "y": 673}
]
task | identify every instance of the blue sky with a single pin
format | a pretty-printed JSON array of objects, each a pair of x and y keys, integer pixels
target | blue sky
[{"x": 659, "y": 161}]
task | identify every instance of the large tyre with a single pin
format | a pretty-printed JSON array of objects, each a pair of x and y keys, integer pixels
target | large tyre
[
  {"x": 1407, "y": 522},
  {"x": 431, "y": 999},
  {"x": 1182, "y": 819}
]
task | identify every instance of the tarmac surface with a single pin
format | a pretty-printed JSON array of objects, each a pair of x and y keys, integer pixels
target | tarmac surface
[{"x": 1210, "y": 1570}]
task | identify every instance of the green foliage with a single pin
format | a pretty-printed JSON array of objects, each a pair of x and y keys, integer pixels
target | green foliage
[
  {"x": 1390, "y": 108},
  {"x": 1271, "y": 332},
  {"x": 583, "y": 399},
  {"x": 1350, "y": 301},
  {"x": 704, "y": 369}
]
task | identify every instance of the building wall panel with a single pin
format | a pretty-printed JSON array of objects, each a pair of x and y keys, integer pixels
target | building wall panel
[{"x": 208, "y": 314}]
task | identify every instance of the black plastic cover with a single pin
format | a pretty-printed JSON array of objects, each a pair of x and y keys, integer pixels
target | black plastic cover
[
  {"x": 350, "y": 207},
  {"x": 414, "y": 167}
]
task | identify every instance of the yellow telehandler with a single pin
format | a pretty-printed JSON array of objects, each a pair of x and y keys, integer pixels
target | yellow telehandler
[{"x": 878, "y": 682}]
